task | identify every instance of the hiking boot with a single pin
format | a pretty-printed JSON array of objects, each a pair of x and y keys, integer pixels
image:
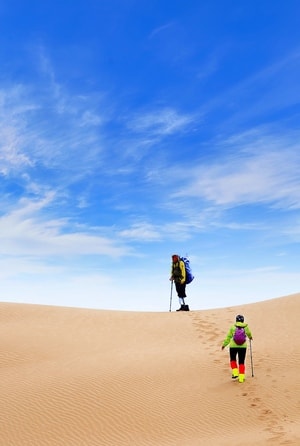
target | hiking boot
[
  {"x": 180, "y": 309},
  {"x": 241, "y": 377},
  {"x": 186, "y": 308},
  {"x": 235, "y": 373}
]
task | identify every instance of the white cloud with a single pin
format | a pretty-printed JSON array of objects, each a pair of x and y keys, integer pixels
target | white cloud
[
  {"x": 261, "y": 171},
  {"x": 14, "y": 106},
  {"x": 43, "y": 125},
  {"x": 272, "y": 88},
  {"x": 161, "y": 122},
  {"x": 90, "y": 118},
  {"x": 26, "y": 230},
  {"x": 160, "y": 29},
  {"x": 141, "y": 231}
]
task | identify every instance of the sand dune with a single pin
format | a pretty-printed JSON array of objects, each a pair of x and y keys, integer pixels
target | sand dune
[{"x": 74, "y": 377}]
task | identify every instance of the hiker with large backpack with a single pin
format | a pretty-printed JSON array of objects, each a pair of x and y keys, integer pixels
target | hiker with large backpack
[
  {"x": 237, "y": 340},
  {"x": 181, "y": 276}
]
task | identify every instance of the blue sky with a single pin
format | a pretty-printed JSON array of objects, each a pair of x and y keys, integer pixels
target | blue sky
[{"x": 132, "y": 130}]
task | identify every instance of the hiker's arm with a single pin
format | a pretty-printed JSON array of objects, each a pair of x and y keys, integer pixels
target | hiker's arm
[
  {"x": 182, "y": 269},
  {"x": 248, "y": 333},
  {"x": 227, "y": 339},
  {"x": 171, "y": 276}
]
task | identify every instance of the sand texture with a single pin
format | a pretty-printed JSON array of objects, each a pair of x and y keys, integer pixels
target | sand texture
[{"x": 74, "y": 377}]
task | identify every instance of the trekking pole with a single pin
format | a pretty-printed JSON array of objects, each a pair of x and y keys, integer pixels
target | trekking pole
[
  {"x": 251, "y": 358},
  {"x": 171, "y": 295}
]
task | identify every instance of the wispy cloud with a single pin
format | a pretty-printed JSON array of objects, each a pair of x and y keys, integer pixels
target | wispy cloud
[
  {"x": 160, "y": 29},
  {"x": 28, "y": 229},
  {"x": 212, "y": 63},
  {"x": 265, "y": 92},
  {"x": 14, "y": 107},
  {"x": 141, "y": 231},
  {"x": 162, "y": 122},
  {"x": 257, "y": 169},
  {"x": 34, "y": 133}
]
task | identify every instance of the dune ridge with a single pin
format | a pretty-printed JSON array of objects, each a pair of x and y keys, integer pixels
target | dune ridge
[{"x": 74, "y": 377}]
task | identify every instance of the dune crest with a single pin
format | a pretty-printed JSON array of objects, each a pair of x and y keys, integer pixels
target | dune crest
[{"x": 74, "y": 377}]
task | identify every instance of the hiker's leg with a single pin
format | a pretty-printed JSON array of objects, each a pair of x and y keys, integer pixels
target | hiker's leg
[
  {"x": 233, "y": 364},
  {"x": 242, "y": 355},
  {"x": 180, "y": 288},
  {"x": 180, "y": 297},
  {"x": 186, "y": 307}
]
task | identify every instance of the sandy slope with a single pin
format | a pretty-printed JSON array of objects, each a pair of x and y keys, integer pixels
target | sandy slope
[{"x": 73, "y": 377}]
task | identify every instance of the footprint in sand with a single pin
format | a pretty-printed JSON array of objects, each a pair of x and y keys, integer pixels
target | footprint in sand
[{"x": 255, "y": 402}]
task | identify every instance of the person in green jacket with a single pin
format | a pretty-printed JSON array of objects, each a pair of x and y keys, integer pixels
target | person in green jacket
[{"x": 237, "y": 340}]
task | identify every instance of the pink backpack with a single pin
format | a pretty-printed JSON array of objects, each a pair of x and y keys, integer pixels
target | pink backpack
[{"x": 239, "y": 336}]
